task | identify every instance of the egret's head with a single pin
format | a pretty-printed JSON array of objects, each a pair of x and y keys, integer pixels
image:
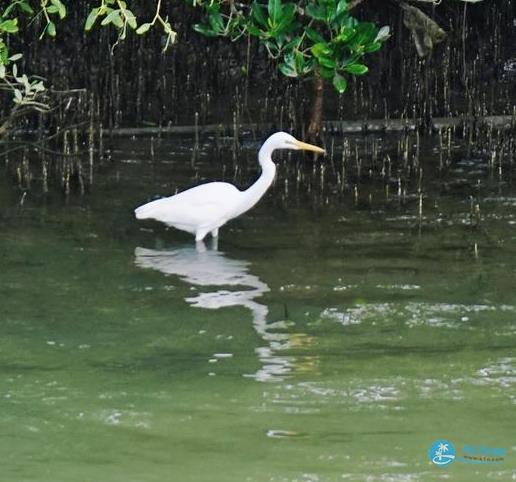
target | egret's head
[{"x": 282, "y": 140}]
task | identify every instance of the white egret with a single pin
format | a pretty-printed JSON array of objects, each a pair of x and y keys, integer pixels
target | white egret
[{"x": 204, "y": 209}]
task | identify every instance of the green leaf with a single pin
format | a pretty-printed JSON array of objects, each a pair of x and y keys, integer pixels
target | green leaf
[
  {"x": 373, "y": 47},
  {"x": 310, "y": 66},
  {"x": 351, "y": 22},
  {"x": 342, "y": 7},
  {"x": 216, "y": 22},
  {"x": 118, "y": 21},
  {"x": 198, "y": 27},
  {"x": 326, "y": 62},
  {"x": 317, "y": 12},
  {"x": 52, "y": 9},
  {"x": 326, "y": 73},
  {"x": 340, "y": 83},
  {"x": 345, "y": 35},
  {"x": 144, "y": 27},
  {"x": 168, "y": 29},
  {"x": 366, "y": 32},
  {"x": 114, "y": 18},
  {"x": 314, "y": 35},
  {"x": 105, "y": 10},
  {"x": 130, "y": 18},
  {"x": 253, "y": 30},
  {"x": 4, "y": 54},
  {"x": 321, "y": 49},
  {"x": 26, "y": 8},
  {"x": 258, "y": 14},
  {"x": 274, "y": 8},
  {"x": 356, "y": 69},
  {"x": 9, "y": 26},
  {"x": 338, "y": 12},
  {"x": 299, "y": 61},
  {"x": 60, "y": 8},
  {"x": 293, "y": 44},
  {"x": 7, "y": 11},
  {"x": 290, "y": 60},
  {"x": 383, "y": 34},
  {"x": 287, "y": 16},
  {"x": 23, "y": 5},
  {"x": 287, "y": 70},
  {"x": 92, "y": 17},
  {"x": 51, "y": 29},
  {"x": 15, "y": 57},
  {"x": 38, "y": 86}
]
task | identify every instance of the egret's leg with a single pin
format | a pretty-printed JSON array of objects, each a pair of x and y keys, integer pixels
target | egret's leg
[
  {"x": 200, "y": 235},
  {"x": 200, "y": 247},
  {"x": 215, "y": 232}
]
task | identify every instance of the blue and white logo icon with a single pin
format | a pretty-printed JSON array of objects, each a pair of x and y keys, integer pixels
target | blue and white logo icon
[{"x": 441, "y": 453}]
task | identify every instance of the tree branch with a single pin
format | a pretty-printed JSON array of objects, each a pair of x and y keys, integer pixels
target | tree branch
[{"x": 354, "y": 3}]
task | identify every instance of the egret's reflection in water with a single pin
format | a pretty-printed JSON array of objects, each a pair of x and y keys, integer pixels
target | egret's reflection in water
[{"x": 211, "y": 269}]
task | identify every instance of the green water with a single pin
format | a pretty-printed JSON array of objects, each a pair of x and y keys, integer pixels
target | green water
[{"x": 321, "y": 342}]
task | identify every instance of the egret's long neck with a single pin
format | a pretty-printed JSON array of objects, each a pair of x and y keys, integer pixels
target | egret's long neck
[{"x": 254, "y": 193}]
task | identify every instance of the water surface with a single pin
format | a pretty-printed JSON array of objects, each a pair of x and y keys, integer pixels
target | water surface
[{"x": 330, "y": 337}]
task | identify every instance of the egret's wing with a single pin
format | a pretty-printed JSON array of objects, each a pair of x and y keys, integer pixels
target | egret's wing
[{"x": 194, "y": 207}]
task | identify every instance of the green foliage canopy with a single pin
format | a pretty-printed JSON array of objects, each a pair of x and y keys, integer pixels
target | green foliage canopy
[
  {"x": 315, "y": 37},
  {"x": 29, "y": 92},
  {"x": 306, "y": 39}
]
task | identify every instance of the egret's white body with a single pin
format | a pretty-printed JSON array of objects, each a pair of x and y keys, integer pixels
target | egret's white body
[{"x": 204, "y": 209}]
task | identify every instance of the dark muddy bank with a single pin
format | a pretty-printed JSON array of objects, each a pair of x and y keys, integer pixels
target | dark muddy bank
[{"x": 468, "y": 73}]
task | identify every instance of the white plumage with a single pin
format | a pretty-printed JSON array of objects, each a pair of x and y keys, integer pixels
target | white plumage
[
  {"x": 205, "y": 208},
  {"x": 202, "y": 208}
]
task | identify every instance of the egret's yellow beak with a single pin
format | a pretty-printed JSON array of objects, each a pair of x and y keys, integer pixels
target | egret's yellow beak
[{"x": 309, "y": 147}]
